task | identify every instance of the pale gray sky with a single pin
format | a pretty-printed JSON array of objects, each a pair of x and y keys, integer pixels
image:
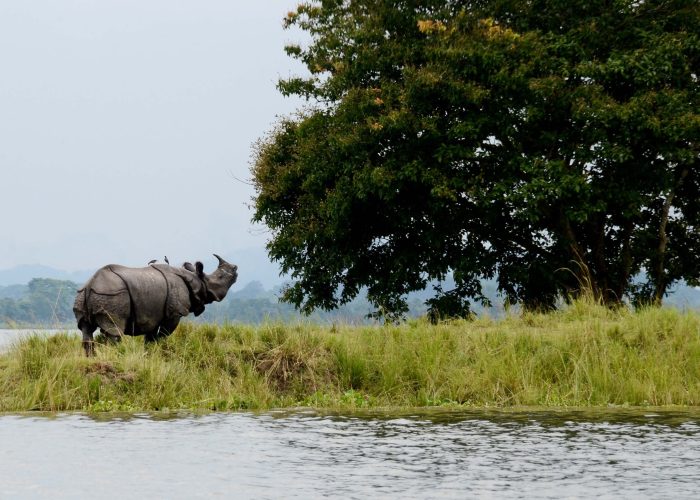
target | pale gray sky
[{"x": 123, "y": 124}]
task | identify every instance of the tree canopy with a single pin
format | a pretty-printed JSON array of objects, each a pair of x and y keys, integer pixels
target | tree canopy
[{"x": 551, "y": 144}]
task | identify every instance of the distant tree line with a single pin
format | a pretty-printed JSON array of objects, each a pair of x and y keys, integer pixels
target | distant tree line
[
  {"x": 42, "y": 302},
  {"x": 49, "y": 303},
  {"x": 254, "y": 305}
]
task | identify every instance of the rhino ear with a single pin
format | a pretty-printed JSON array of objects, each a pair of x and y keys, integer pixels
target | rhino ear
[
  {"x": 188, "y": 266},
  {"x": 200, "y": 269}
]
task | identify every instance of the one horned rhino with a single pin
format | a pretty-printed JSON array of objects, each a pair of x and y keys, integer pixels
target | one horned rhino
[{"x": 147, "y": 301}]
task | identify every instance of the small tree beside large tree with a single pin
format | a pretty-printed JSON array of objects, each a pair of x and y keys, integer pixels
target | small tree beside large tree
[{"x": 552, "y": 144}]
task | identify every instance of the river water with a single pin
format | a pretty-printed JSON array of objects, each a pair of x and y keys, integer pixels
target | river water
[
  {"x": 9, "y": 337},
  {"x": 616, "y": 453},
  {"x": 619, "y": 454}
]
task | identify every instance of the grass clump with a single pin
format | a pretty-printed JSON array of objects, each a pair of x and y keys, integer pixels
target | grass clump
[{"x": 583, "y": 355}]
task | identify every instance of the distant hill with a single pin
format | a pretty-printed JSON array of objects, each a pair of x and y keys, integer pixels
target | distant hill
[
  {"x": 253, "y": 265},
  {"x": 13, "y": 291},
  {"x": 683, "y": 296},
  {"x": 253, "y": 290},
  {"x": 21, "y": 275}
]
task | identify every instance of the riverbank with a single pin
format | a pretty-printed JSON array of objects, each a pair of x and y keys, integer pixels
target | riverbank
[{"x": 582, "y": 356}]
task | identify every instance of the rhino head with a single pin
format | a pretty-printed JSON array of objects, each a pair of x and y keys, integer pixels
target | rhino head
[{"x": 218, "y": 282}]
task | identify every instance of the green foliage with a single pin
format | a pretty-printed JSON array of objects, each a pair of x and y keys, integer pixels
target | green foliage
[
  {"x": 551, "y": 144},
  {"x": 582, "y": 355},
  {"x": 47, "y": 302}
]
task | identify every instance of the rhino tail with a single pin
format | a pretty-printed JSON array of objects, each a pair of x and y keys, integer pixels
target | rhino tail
[{"x": 80, "y": 306}]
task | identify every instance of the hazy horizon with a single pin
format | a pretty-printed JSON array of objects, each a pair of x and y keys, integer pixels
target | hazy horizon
[
  {"x": 127, "y": 127},
  {"x": 252, "y": 262}
]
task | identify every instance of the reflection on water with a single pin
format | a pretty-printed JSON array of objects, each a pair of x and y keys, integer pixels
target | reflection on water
[{"x": 622, "y": 454}]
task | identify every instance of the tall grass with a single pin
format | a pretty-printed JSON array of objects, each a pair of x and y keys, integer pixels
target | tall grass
[{"x": 583, "y": 355}]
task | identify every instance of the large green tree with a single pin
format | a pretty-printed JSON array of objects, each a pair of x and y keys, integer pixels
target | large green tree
[{"x": 552, "y": 144}]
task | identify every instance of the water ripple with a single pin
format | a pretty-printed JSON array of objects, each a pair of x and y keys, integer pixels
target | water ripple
[{"x": 302, "y": 455}]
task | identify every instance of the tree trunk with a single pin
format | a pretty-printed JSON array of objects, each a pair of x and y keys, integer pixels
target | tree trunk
[
  {"x": 600, "y": 270},
  {"x": 625, "y": 259},
  {"x": 659, "y": 274},
  {"x": 583, "y": 274}
]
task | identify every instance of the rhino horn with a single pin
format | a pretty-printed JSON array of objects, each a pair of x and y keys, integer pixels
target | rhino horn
[{"x": 221, "y": 261}]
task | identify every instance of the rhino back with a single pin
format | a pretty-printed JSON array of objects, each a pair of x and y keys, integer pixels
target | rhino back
[
  {"x": 146, "y": 295},
  {"x": 148, "y": 290},
  {"x": 106, "y": 282}
]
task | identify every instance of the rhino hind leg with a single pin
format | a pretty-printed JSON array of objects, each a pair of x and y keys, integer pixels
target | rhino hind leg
[
  {"x": 112, "y": 326},
  {"x": 112, "y": 339},
  {"x": 84, "y": 325},
  {"x": 88, "y": 342},
  {"x": 110, "y": 313}
]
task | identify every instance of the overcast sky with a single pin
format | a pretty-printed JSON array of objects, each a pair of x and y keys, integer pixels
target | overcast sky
[{"x": 125, "y": 123}]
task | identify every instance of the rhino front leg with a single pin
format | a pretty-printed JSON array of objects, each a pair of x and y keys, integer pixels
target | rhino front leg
[
  {"x": 150, "y": 337},
  {"x": 168, "y": 327}
]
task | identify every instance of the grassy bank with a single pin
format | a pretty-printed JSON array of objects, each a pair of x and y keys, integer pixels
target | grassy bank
[{"x": 584, "y": 355}]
